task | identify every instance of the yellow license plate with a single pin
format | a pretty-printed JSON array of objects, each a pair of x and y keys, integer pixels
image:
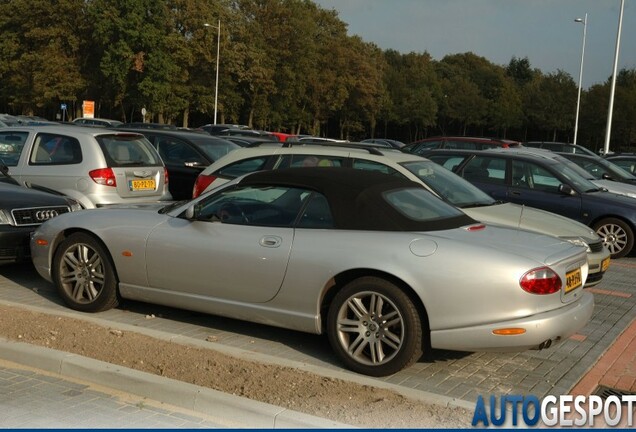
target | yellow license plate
[
  {"x": 137, "y": 185},
  {"x": 573, "y": 280},
  {"x": 605, "y": 264}
]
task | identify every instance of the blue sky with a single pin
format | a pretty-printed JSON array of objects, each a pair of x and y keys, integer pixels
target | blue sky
[{"x": 544, "y": 31}]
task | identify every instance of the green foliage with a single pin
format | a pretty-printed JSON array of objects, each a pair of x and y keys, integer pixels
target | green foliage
[{"x": 284, "y": 65}]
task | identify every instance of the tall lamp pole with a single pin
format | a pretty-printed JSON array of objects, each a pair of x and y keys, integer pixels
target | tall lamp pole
[
  {"x": 608, "y": 130},
  {"x": 218, "y": 49},
  {"x": 578, "y": 98}
]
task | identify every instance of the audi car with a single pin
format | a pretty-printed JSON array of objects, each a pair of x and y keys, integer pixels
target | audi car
[
  {"x": 379, "y": 264},
  {"x": 22, "y": 210}
]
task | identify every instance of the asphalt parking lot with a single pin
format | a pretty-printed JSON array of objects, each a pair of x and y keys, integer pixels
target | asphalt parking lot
[{"x": 455, "y": 376}]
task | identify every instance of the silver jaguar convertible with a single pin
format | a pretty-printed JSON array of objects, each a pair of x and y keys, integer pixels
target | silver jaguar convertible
[{"x": 383, "y": 267}]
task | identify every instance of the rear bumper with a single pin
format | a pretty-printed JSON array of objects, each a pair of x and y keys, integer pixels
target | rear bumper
[{"x": 553, "y": 326}]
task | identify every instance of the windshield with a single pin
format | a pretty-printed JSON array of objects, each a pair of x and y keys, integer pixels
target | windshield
[
  {"x": 578, "y": 177},
  {"x": 448, "y": 185},
  {"x": 599, "y": 167}
]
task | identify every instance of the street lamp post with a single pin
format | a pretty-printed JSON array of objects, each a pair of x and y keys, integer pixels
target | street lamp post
[
  {"x": 216, "y": 83},
  {"x": 578, "y": 98},
  {"x": 608, "y": 129}
]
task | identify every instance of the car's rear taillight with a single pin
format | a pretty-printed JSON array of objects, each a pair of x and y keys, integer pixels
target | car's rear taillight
[
  {"x": 541, "y": 281},
  {"x": 202, "y": 182},
  {"x": 165, "y": 175},
  {"x": 103, "y": 176}
]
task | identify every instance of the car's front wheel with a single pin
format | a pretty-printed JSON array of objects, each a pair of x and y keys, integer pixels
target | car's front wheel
[
  {"x": 83, "y": 274},
  {"x": 374, "y": 327},
  {"x": 617, "y": 236}
]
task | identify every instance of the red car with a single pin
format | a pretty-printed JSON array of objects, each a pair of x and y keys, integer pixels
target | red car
[{"x": 282, "y": 137}]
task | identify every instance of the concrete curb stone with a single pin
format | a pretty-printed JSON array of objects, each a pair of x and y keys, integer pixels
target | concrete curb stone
[{"x": 243, "y": 411}]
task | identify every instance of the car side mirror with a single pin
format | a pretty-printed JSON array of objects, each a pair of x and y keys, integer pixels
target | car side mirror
[
  {"x": 606, "y": 176},
  {"x": 566, "y": 189}
]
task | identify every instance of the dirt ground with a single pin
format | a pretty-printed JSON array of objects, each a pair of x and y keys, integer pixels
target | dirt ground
[{"x": 342, "y": 401}]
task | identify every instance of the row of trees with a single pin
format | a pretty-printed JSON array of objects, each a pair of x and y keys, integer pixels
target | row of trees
[{"x": 285, "y": 65}]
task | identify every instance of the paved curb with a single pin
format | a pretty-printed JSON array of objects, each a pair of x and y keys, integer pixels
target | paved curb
[
  {"x": 243, "y": 411},
  {"x": 420, "y": 395}
]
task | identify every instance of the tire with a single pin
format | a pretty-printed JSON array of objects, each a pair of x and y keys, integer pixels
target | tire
[
  {"x": 83, "y": 274},
  {"x": 369, "y": 344},
  {"x": 617, "y": 236}
]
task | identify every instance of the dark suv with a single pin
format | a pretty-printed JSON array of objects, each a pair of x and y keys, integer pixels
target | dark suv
[
  {"x": 547, "y": 181},
  {"x": 451, "y": 142}
]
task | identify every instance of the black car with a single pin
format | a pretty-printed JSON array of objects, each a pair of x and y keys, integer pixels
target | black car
[
  {"x": 547, "y": 181},
  {"x": 627, "y": 161},
  {"x": 601, "y": 168},
  {"x": 217, "y": 129},
  {"x": 559, "y": 147},
  {"x": 22, "y": 210},
  {"x": 185, "y": 154},
  {"x": 386, "y": 142},
  {"x": 140, "y": 125},
  {"x": 454, "y": 142},
  {"x": 249, "y": 141}
]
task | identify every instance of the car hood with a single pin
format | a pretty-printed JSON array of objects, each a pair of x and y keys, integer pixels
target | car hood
[
  {"x": 529, "y": 218},
  {"x": 13, "y": 196},
  {"x": 617, "y": 187}
]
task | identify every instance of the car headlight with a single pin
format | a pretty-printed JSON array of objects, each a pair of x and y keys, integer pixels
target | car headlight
[
  {"x": 75, "y": 205},
  {"x": 578, "y": 242},
  {"x": 5, "y": 217}
]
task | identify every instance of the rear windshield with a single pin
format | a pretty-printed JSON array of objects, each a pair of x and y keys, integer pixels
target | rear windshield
[
  {"x": 123, "y": 150},
  {"x": 215, "y": 149}
]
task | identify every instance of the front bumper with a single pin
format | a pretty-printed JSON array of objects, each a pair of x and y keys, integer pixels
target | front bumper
[
  {"x": 553, "y": 326},
  {"x": 598, "y": 262},
  {"x": 14, "y": 243}
]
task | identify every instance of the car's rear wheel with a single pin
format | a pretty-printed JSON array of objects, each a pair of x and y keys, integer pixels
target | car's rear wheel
[
  {"x": 374, "y": 327},
  {"x": 83, "y": 274},
  {"x": 617, "y": 236}
]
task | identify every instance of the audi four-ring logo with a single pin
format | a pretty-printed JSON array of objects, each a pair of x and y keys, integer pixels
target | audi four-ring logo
[{"x": 43, "y": 215}]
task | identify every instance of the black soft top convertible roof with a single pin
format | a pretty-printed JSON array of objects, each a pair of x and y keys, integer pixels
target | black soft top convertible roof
[{"x": 356, "y": 197}]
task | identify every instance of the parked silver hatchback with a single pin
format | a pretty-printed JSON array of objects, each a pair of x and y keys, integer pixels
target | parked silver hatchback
[{"x": 97, "y": 167}]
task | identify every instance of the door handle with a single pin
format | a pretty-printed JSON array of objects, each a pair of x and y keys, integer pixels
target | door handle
[{"x": 271, "y": 241}]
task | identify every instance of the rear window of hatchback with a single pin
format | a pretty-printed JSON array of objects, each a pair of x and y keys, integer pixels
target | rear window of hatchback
[{"x": 123, "y": 150}]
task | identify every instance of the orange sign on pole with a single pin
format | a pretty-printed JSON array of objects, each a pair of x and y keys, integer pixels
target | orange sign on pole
[{"x": 88, "y": 109}]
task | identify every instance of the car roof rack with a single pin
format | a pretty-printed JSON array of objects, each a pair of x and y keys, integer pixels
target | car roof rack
[{"x": 372, "y": 149}]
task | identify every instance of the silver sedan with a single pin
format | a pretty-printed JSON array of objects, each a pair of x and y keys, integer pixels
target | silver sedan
[{"x": 383, "y": 267}]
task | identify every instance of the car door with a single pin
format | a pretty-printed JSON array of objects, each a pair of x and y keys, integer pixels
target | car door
[
  {"x": 236, "y": 249},
  {"x": 538, "y": 186}
]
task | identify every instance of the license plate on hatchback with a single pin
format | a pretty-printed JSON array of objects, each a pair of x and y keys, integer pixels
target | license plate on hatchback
[
  {"x": 142, "y": 185},
  {"x": 573, "y": 280}
]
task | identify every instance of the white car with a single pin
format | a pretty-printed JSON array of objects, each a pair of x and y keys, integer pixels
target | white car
[{"x": 447, "y": 185}]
